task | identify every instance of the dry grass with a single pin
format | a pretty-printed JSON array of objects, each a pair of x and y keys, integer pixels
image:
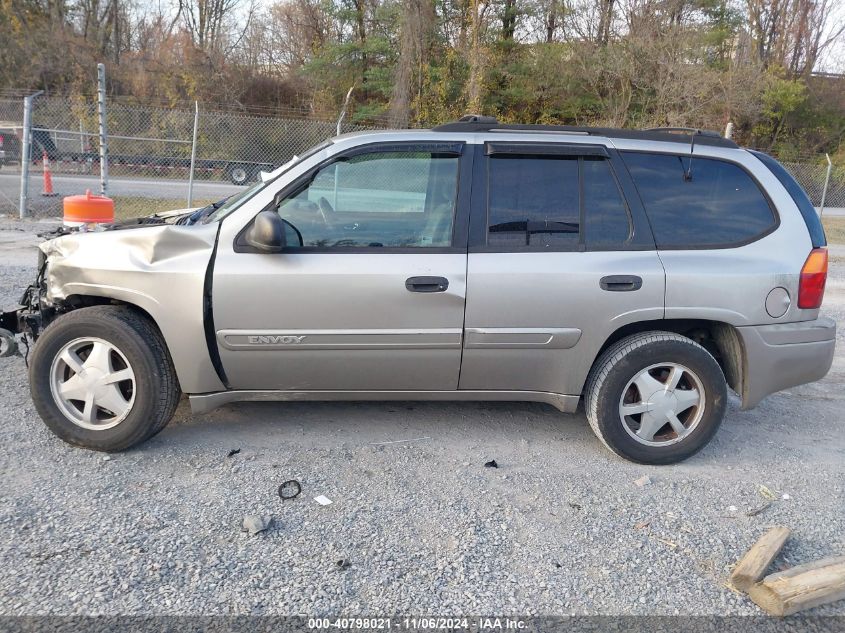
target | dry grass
[{"x": 834, "y": 228}]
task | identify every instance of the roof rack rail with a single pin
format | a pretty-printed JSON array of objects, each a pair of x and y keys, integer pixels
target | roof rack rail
[
  {"x": 687, "y": 130},
  {"x": 480, "y": 123}
]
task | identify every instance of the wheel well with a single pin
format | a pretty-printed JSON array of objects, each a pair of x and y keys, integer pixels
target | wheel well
[
  {"x": 719, "y": 338},
  {"x": 74, "y": 302}
]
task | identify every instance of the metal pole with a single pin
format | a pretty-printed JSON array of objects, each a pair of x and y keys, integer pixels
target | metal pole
[
  {"x": 81, "y": 146},
  {"x": 826, "y": 183},
  {"x": 101, "y": 116},
  {"x": 343, "y": 110},
  {"x": 193, "y": 154},
  {"x": 26, "y": 144}
]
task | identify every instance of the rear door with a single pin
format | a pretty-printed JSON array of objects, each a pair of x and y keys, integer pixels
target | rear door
[
  {"x": 559, "y": 258},
  {"x": 728, "y": 254},
  {"x": 369, "y": 293}
]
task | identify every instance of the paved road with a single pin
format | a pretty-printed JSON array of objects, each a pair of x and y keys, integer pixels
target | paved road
[{"x": 147, "y": 187}]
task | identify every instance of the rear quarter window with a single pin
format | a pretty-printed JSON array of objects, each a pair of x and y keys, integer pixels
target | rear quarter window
[
  {"x": 719, "y": 205},
  {"x": 799, "y": 196}
]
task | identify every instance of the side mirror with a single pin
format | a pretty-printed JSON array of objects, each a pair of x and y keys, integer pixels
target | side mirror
[{"x": 267, "y": 233}]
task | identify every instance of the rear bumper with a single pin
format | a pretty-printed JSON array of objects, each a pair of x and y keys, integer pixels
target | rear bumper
[{"x": 784, "y": 355}]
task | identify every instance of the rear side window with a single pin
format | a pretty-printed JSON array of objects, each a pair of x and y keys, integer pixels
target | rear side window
[
  {"x": 720, "y": 205},
  {"x": 554, "y": 202},
  {"x": 808, "y": 212}
]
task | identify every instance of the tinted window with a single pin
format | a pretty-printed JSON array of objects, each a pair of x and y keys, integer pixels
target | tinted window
[
  {"x": 605, "y": 211},
  {"x": 379, "y": 199},
  {"x": 535, "y": 201},
  {"x": 808, "y": 212},
  {"x": 719, "y": 205}
]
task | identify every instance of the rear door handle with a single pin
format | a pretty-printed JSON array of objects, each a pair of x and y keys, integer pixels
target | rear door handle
[
  {"x": 621, "y": 283},
  {"x": 426, "y": 284}
]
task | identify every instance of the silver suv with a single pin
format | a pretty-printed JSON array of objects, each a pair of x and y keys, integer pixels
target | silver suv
[{"x": 643, "y": 271}]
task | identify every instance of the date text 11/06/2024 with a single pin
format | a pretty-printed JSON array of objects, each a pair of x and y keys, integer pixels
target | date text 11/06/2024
[{"x": 418, "y": 623}]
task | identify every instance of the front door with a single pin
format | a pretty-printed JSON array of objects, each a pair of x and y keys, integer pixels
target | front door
[
  {"x": 560, "y": 257},
  {"x": 370, "y": 292}
]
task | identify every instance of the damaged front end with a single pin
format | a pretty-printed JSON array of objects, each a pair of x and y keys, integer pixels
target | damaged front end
[
  {"x": 32, "y": 315},
  {"x": 161, "y": 271}
]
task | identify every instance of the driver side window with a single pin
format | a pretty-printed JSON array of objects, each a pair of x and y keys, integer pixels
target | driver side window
[{"x": 388, "y": 199}]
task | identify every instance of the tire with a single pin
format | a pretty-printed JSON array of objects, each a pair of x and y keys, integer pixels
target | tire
[
  {"x": 625, "y": 371},
  {"x": 8, "y": 344},
  {"x": 129, "y": 344},
  {"x": 239, "y": 174}
]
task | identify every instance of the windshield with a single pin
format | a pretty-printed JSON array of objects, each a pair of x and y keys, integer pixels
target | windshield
[
  {"x": 238, "y": 199},
  {"x": 232, "y": 203}
]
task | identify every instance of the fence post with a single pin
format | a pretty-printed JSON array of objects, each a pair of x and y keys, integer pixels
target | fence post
[
  {"x": 826, "y": 183},
  {"x": 26, "y": 145},
  {"x": 101, "y": 116},
  {"x": 193, "y": 154},
  {"x": 343, "y": 110}
]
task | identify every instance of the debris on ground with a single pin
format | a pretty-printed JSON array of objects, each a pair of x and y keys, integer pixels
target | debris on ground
[
  {"x": 801, "y": 587},
  {"x": 639, "y": 525},
  {"x": 574, "y": 506},
  {"x": 254, "y": 523},
  {"x": 786, "y": 497},
  {"x": 645, "y": 480},
  {"x": 756, "y": 511},
  {"x": 323, "y": 500},
  {"x": 766, "y": 492},
  {"x": 106, "y": 458},
  {"x": 415, "y": 439},
  {"x": 491, "y": 464},
  {"x": 794, "y": 589},
  {"x": 343, "y": 563},
  {"x": 290, "y": 489},
  {"x": 233, "y": 452},
  {"x": 753, "y": 565}
]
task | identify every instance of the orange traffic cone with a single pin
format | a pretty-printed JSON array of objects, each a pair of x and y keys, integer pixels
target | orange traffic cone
[{"x": 48, "y": 178}]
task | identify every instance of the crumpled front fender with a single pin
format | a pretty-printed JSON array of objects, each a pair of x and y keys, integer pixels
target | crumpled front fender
[{"x": 160, "y": 269}]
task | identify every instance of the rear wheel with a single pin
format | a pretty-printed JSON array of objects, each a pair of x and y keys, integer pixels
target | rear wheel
[
  {"x": 238, "y": 174},
  {"x": 102, "y": 378},
  {"x": 656, "y": 397}
]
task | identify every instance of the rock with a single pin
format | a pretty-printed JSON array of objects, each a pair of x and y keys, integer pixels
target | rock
[
  {"x": 254, "y": 523},
  {"x": 645, "y": 480}
]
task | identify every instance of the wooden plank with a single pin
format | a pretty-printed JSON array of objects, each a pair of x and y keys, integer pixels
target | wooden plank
[
  {"x": 801, "y": 587},
  {"x": 752, "y": 567}
]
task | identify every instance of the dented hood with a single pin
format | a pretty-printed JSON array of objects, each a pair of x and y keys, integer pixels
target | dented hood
[{"x": 115, "y": 259}]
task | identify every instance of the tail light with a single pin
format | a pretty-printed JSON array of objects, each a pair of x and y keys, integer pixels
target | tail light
[
  {"x": 1, "y": 140},
  {"x": 813, "y": 279}
]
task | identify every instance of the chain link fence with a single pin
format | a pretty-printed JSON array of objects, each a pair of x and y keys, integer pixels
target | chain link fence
[
  {"x": 150, "y": 151},
  {"x": 812, "y": 176}
]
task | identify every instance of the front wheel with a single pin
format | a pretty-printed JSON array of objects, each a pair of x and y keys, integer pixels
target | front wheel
[
  {"x": 102, "y": 378},
  {"x": 656, "y": 397}
]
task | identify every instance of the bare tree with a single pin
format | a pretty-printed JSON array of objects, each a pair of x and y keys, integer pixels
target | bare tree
[{"x": 206, "y": 21}]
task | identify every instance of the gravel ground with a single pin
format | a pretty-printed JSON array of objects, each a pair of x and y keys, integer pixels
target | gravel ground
[{"x": 559, "y": 528}]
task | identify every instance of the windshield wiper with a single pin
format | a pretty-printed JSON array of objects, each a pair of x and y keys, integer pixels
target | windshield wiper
[{"x": 200, "y": 214}]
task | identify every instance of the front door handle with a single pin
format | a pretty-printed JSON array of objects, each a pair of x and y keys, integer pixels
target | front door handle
[
  {"x": 426, "y": 284},
  {"x": 621, "y": 283}
]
